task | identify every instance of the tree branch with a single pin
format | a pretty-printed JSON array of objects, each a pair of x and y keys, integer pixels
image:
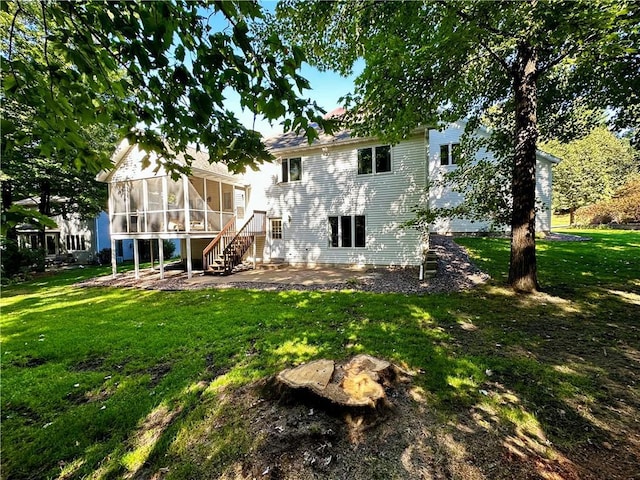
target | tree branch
[
  {"x": 496, "y": 57},
  {"x": 489, "y": 29},
  {"x": 565, "y": 54},
  {"x": 11, "y": 30},
  {"x": 46, "y": 47},
  {"x": 484, "y": 26},
  {"x": 13, "y": 25}
]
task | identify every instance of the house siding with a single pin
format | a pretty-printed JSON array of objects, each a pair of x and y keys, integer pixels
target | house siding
[
  {"x": 331, "y": 186},
  {"x": 445, "y": 197},
  {"x": 544, "y": 178}
]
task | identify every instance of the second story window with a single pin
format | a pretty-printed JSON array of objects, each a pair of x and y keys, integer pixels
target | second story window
[
  {"x": 450, "y": 154},
  {"x": 291, "y": 169},
  {"x": 374, "y": 159}
]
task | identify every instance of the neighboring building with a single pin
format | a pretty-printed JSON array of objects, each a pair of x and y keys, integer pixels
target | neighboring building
[
  {"x": 340, "y": 200},
  {"x": 73, "y": 240}
]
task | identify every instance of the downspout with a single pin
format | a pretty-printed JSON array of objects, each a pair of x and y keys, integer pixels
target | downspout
[{"x": 428, "y": 194}]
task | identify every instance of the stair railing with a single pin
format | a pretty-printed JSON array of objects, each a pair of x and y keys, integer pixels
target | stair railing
[
  {"x": 238, "y": 246},
  {"x": 215, "y": 248}
]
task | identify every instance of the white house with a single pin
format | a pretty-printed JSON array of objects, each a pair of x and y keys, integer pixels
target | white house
[
  {"x": 340, "y": 200},
  {"x": 72, "y": 239}
]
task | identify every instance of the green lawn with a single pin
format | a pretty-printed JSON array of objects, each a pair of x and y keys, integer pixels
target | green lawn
[
  {"x": 106, "y": 383},
  {"x": 559, "y": 221}
]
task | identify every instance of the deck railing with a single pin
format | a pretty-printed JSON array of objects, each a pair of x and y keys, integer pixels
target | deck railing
[
  {"x": 226, "y": 250},
  {"x": 214, "y": 249},
  {"x": 246, "y": 236}
]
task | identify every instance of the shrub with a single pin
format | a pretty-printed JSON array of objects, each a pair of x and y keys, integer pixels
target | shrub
[
  {"x": 104, "y": 256},
  {"x": 169, "y": 248},
  {"x": 16, "y": 260},
  {"x": 624, "y": 207}
]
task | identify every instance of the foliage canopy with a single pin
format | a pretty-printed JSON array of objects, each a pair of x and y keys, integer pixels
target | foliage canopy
[
  {"x": 592, "y": 168},
  {"x": 159, "y": 71}
]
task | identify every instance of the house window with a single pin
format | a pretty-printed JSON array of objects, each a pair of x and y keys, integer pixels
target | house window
[
  {"x": 276, "y": 229},
  {"x": 345, "y": 224},
  {"x": 360, "y": 231},
  {"x": 374, "y": 160},
  {"x": 291, "y": 170},
  {"x": 450, "y": 154},
  {"x": 51, "y": 245},
  {"x": 365, "y": 161},
  {"x": 333, "y": 226},
  {"x": 76, "y": 242},
  {"x": 347, "y": 231}
]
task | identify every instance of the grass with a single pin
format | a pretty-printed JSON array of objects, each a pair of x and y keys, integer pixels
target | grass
[
  {"x": 559, "y": 221},
  {"x": 108, "y": 383}
]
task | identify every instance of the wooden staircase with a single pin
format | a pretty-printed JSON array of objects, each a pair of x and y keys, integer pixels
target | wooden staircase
[{"x": 225, "y": 252}]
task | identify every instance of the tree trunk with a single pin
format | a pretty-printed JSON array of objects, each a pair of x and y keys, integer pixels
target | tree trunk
[
  {"x": 7, "y": 201},
  {"x": 44, "y": 208},
  {"x": 572, "y": 216},
  {"x": 522, "y": 269}
]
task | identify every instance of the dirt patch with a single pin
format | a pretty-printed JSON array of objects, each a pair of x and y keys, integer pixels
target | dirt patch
[
  {"x": 158, "y": 372},
  {"x": 21, "y": 412},
  {"x": 90, "y": 364},
  {"x": 308, "y": 439},
  {"x": 28, "y": 362}
]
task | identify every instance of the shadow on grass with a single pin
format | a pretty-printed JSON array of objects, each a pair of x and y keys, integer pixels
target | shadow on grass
[{"x": 111, "y": 383}]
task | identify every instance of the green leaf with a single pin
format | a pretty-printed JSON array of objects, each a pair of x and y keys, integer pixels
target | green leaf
[{"x": 9, "y": 83}]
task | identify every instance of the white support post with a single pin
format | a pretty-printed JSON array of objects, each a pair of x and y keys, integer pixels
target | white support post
[
  {"x": 206, "y": 205},
  {"x": 220, "y": 204},
  {"x": 161, "y": 257},
  {"x": 187, "y": 208},
  {"x": 189, "y": 262},
  {"x": 255, "y": 239},
  {"x": 136, "y": 258},
  {"x": 114, "y": 263}
]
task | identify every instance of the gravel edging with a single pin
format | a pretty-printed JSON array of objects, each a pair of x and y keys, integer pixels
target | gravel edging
[{"x": 455, "y": 272}]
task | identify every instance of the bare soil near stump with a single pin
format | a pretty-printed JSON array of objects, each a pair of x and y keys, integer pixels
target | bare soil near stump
[{"x": 301, "y": 438}]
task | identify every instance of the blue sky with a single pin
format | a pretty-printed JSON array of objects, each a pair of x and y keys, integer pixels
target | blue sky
[{"x": 326, "y": 89}]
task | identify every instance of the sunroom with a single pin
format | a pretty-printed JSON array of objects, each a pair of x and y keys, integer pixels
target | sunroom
[{"x": 145, "y": 204}]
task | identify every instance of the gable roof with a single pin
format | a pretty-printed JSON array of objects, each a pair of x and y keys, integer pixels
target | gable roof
[
  {"x": 292, "y": 143},
  {"x": 132, "y": 155}
]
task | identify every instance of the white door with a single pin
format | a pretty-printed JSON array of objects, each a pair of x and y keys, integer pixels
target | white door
[
  {"x": 276, "y": 242},
  {"x": 239, "y": 205}
]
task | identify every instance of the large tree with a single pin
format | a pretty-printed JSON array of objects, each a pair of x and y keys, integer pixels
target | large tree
[
  {"x": 592, "y": 169},
  {"x": 159, "y": 71},
  {"x": 431, "y": 62}
]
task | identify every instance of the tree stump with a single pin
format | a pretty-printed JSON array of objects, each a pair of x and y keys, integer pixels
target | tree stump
[{"x": 358, "y": 383}]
